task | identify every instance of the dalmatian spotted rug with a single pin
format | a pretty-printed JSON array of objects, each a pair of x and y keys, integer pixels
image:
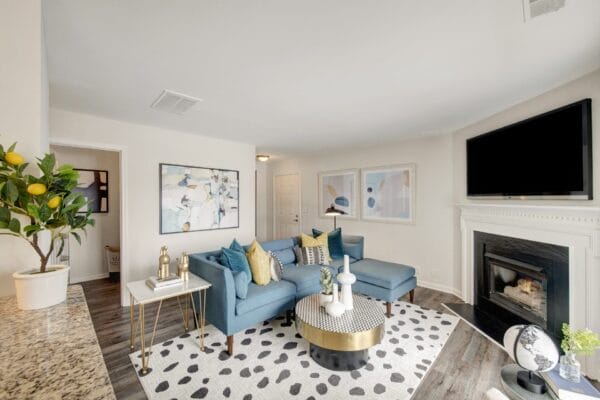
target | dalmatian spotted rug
[{"x": 271, "y": 361}]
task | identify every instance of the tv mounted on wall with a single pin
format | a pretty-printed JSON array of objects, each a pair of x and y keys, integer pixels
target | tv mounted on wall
[{"x": 547, "y": 156}]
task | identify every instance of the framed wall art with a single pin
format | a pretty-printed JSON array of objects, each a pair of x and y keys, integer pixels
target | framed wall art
[
  {"x": 93, "y": 185},
  {"x": 340, "y": 190},
  {"x": 388, "y": 194},
  {"x": 197, "y": 199}
]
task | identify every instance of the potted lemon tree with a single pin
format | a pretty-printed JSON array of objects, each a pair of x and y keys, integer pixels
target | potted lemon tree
[{"x": 30, "y": 206}]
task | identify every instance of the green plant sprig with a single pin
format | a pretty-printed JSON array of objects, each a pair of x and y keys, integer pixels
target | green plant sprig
[
  {"x": 581, "y": 341},
  {"x": 46, "y": 202},
  {"x": 326, "y": 281}
]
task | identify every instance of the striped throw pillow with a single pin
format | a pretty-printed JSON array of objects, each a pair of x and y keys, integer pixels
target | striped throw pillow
[
  {"x": 315, "y": 255},
  {"x": 276, "y": 267}
]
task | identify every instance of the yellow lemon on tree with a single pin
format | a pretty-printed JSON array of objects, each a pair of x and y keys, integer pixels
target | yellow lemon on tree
[
  {"x": 36, "y": 189},
  {"x": 14, "y": 158},
  {"x": 54, "y": 202}
]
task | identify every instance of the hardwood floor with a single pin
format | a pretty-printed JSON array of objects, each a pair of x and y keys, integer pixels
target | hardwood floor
[{"x": 468, "y": 365}]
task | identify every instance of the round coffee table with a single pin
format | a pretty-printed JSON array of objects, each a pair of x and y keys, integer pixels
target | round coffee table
[{"x": 340, "y": 344}]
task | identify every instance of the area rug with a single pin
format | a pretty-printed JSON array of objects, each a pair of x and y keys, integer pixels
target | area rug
[{"x": 271, "y": 361}]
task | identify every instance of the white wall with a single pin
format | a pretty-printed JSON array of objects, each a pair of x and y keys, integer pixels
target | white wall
[
  {"x": 426, "y": 245},
  {"x": 144, "y": 147},
  {"x": 585, "y": 87},
  {"x": 433, "y": 243},
  {"x": 262, "y": 210},
  {"x": 87, "y": 261},
  {"x": 23, "y": 108}
]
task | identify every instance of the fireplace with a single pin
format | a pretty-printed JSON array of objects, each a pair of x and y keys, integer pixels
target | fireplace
[
  {"x": 563, "y": 240},
  {"x": 522, "y": 281}
]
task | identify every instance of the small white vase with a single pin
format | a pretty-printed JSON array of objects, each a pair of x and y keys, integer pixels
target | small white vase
[
  {"x": 324, "y": 299},
  {"x": 36, "y": 290},
  {"x": 346, "y": 279},
  {"x": 335, "y": 308}
]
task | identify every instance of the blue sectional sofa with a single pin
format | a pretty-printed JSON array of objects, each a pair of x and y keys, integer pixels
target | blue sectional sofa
[{"x": 230, "y": 314}]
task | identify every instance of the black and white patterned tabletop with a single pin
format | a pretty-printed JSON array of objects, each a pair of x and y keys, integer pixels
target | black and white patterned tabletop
[{"x": 366, "y": 315}]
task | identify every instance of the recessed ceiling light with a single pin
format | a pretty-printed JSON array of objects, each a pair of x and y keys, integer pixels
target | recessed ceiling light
[{"x": 263, "y": 157}]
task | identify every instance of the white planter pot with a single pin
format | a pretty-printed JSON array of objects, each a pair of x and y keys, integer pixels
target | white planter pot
[
  {"x": 35, "y": 290},
  {"x": 325, "y": 298}
]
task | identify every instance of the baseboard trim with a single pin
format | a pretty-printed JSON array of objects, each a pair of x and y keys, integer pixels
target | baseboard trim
[
  {"x": 439, "y": 287},
  {"x": 88, "y": 278}
]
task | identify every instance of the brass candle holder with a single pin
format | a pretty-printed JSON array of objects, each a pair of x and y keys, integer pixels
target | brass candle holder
[
  {"x": 183, "y": 267},
  {"x": 163, "y": 263}
]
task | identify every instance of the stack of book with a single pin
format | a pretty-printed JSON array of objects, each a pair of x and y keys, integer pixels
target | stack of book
[
  {"x": 158, "y": 284},
  {"x": 563, "y": 389}
]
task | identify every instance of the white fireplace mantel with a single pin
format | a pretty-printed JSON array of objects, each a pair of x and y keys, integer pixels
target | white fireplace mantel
[{"x": 577, "y": 228}]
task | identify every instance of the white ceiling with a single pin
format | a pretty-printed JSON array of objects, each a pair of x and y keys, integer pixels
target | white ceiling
[{"x": 309, "y": 75}]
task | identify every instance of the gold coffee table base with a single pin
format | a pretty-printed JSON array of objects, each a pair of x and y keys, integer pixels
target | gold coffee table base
[
  {"x": 354, "y": 341},
  {"x": 343, "y": 343}
]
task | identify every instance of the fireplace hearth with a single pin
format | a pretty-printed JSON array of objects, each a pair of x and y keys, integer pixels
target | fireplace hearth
[{"x": 517, "y": 281}]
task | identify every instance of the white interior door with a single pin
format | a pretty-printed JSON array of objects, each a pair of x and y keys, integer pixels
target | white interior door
[{"x": 287, "y": 206}]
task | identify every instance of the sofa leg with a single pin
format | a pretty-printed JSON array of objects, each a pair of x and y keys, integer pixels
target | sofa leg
[
  {"x": 289, "y": 316},
  {"x": 388, "y": 308},
  {"x": 230, "y": 344},
  {"x": 411, "y": 296}
]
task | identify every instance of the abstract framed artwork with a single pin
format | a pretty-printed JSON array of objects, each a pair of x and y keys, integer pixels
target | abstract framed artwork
[
  {"x": 93, "y": 185},
  {"x": 388, "y": 194},
  {"x": 197, "y": 199},
  {"x": 340, "y": 189}
]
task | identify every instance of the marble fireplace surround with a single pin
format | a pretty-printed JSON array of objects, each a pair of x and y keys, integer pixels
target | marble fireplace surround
[{"x": 577, "y": 228}]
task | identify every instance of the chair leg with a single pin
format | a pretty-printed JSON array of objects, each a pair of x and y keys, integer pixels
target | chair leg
[
  {"x": 230, "y": 344},
  {"x": 411, "y": 296},
  {"x": 388, "y": 308}
]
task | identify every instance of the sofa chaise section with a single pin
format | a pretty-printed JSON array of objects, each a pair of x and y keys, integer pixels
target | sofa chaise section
[{"x": 384, "y": 280}]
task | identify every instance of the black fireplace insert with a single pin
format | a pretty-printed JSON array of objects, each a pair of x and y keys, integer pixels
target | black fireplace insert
[{"x": 522, "y": 281}]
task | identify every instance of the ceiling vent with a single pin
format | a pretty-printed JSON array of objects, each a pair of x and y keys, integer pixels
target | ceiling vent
[
  {"x": 535, "y": 8},
  {"x": 174, "y": 102}
]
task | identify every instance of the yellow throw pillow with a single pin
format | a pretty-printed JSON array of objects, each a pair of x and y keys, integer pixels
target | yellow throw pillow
[
  {"x": 321, "y": 240},
  {"x": 259, "y": 264}
]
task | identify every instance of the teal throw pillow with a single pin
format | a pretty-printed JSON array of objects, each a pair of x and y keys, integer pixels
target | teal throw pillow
[
  {"x": 241, "y": 282},
  {"x": 334, "y": 241},
  {"x": 236, "y": 261},
  {"x": 236, "y": 246}
]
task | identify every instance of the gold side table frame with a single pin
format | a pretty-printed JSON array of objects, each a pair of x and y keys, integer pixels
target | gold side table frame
[{"x": 142, "y": 295}]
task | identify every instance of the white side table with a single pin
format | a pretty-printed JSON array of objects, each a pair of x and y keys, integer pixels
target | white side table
[{"x": 141, "y": 294}]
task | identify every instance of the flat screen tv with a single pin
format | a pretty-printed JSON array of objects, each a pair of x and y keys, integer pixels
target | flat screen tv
[{"x": 546, "y": 156}]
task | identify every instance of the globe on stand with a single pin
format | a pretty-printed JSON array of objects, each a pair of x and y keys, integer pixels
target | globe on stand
[{"x": 534, "y": 351}]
